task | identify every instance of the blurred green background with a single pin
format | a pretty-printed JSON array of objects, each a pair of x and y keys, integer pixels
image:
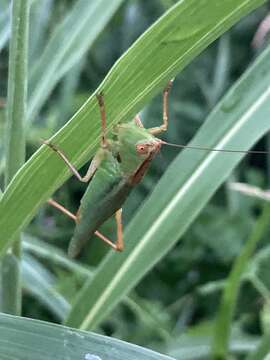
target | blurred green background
[{"x": 182, "y": 291}]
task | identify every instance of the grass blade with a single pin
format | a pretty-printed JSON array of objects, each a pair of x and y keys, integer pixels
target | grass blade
[
  {"x": 195, "y": 344},
  {"x": 182, "y": 192},
  {"x": 15, "y": 154},
  {"x": 40, "y": 12},
  {"x": 229, "y": 297},
  {"x": 72, "y": 38},
  {"x": 40, "y": 283},
  {"x": 54, "y": 256},
  {"x": 4, "y": 24},
  {"x": 134, "y": 80},
  {"x": 45, "y": 341}
]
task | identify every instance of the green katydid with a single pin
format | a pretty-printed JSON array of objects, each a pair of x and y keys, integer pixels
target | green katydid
[{"x": 119, "y": 164}]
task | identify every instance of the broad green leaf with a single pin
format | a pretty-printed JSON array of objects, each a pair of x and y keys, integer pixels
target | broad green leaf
[
  {"x": 40, "y": 283},
  {"x": 70, "y": 41},
  {"x": 134, "y": 80},
  {"x": 238, "y": 121},
  {"x": 22, "y": 338}
]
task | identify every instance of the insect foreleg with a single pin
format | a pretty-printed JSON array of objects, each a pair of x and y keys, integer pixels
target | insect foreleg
[
  {"x": 164, "y": 126},
  {"x": 92, "y": 167}
]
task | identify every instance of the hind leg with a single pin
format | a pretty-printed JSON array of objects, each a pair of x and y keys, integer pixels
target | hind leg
[{"x": 118, "y": 245}]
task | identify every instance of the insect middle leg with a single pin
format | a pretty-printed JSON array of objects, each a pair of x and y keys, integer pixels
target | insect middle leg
[
  {"x": 118, "y": 245},
  {"x": 92, "y": 167},
  {"x": 96, "y": 160}
]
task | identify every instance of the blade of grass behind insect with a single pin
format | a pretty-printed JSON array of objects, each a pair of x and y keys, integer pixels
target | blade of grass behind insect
[
  {"x": 54, "y": 256},
  {"x": 45, "y": 341},
  {"x": 193, "y": 346},
  {"x": 40, "y": 12},
  {"x": 4, "y": 23},
  {"x": 138, "y": 76},
  {"x": 229, "y": 297},
  {"x": 15, "y": 146},
  {"x": 40, "y": 282},
  {"x": 149, "y": 319},
  {"x": 238, "y": 121},
  {"x": 5, "y": 26},
  {"x": 68, "y": 91},
  {"x": 70, "y": 41}
]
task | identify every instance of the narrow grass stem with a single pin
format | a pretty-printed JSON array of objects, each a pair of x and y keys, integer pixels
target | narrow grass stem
[
  {"x": 230, "y": 294},
  {"x": 15, "y": 146}
]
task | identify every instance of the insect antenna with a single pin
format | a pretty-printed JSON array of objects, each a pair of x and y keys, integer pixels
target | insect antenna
[{"x": 203, "y": 148}]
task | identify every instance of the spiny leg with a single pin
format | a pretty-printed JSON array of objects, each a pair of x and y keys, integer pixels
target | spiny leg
[
  {"x": 62, "y": 208},
  {"x": 119, "y": 241},
  {"x": 96, "y": 160},
  {"x": 164, "y": 126},
  {"x": 92, "y": 167},
  {"x": 118, "y": 246}
]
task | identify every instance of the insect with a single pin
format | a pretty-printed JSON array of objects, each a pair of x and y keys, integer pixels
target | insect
[{"x": 119, "y": 164}]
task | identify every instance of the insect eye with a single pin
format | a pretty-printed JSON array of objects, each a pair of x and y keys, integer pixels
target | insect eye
[{"x": 141, "y": 149}]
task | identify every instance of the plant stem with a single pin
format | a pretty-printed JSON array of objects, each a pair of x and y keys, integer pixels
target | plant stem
[
  {"x": 15, "y": 146},
  {"x": 230, "y": 294}
]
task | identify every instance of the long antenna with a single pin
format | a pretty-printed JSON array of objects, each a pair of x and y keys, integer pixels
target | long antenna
[{"x": 220, "y": 150}]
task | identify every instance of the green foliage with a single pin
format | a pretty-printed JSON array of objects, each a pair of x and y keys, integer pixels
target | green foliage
[
  {"x": 168, "y": 303},
  {"x": 71, "y": 39},
  {"x": 10, "y": 300},
  {"x": 169, "y": 216},
  {"x": 41, "y": 340}
]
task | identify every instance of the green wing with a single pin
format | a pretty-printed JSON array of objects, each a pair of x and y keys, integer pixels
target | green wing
[{"x": 105, "y": 194}]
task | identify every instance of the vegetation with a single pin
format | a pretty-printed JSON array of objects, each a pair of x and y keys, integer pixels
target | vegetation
[{"x": 192, "y": 282}]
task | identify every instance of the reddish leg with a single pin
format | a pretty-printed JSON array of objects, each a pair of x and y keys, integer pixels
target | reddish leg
[
  {"x": 92, "y": 167},
  {"x": 118, "y": 245},
  {"x": 164, "y": 126},
  {"x": 96, "y": 160}
]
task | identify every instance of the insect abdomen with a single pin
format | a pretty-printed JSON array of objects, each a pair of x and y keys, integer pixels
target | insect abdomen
[{"x": 92, "y": 215}]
